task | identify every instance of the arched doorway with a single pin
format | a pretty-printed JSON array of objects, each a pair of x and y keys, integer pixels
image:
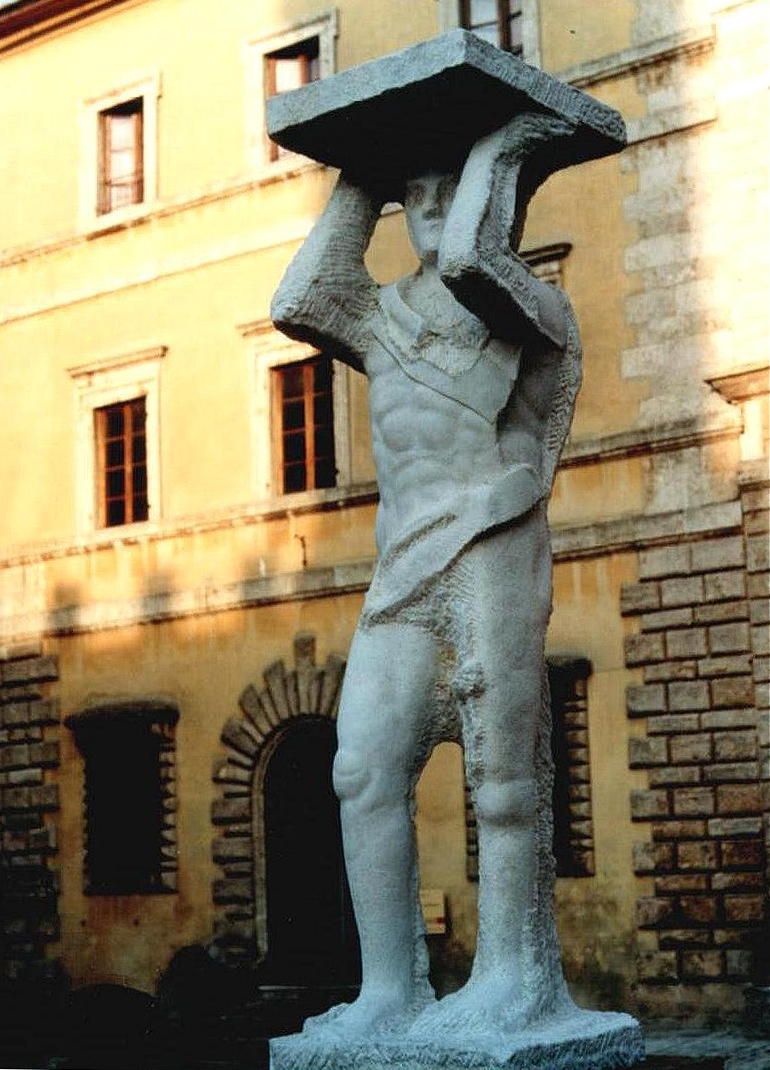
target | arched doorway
[{"x": 311, "y": 932}]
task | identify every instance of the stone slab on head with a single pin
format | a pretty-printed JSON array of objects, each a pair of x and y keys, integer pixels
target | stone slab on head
[{"x": 422, "y": 108}]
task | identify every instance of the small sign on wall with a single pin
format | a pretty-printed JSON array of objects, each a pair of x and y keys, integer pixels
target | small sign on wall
[{"x": 432, "y": 901}]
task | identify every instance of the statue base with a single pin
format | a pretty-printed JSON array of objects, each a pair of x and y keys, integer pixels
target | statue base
[{"x": 587, "y": 1040}]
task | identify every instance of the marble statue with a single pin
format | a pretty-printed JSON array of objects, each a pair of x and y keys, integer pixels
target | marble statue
[{"x": 473, "y": 367}]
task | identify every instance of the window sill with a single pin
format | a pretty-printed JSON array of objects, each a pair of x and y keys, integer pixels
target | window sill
[{"x": 118, "y": 219}]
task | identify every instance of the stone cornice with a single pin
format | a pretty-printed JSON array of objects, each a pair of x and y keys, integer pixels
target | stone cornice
[
  {"x": 618, "y": 64},
  {"x": 24, "y": 21},
  {"x": 655, "y": 439},
  {"x": 570, "y": 542}
]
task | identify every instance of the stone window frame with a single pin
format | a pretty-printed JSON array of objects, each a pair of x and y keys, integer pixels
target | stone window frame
[
  {"x": 161, "y": 717},
  {"x": 450, "y": 18},
  {"x": 268, "y": 349},
  {"x": 108, "y": 381},
  {"x": 578, "y": 859},
  {"x": 146, "y": 87},
  {"x": 546, "y": 262},
  {"x": 324, "y": 26}
]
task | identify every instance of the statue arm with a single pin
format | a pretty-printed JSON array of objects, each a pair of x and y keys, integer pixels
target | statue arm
[
  {"x": 477, "y": 260},
  {"x": 327, "y": 295}
]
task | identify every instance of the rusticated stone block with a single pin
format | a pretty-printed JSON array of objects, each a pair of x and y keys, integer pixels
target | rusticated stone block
[
  {"x": 643, "y": 648},
  {"x": 669, "y": 883},
  {"x": 732, "y": 691},
  {"x": 731, "y": 771},
  {"x": 742, "y": 718},
  {"x": 44, "y": 712},
  {"x": 225, "y": 811},
  {"x": 715, "y": 554},
  {"x": 664, "y": 561},
  {"x": 742, "y": 854},
  {"x": 703, "y": 964},
  {"x": 695, "y": 801},
  {"x": 737, "y": 882},
  {"x": 648, "y": 804},
  {"x": 699, "y": 909},
  {"x": 233, "y": 849},
  {"x": 642, "y": 699},
  {"x": 741, "y": 799},
  {"x": 653, "y": 911},
  {"x": 673, "y": 722},
  {"x": 687, "y": 643},
  {"x": 649, "y": 857},
  {"x": 681, "y": 592},
  {"x": 735, "y": 826},
  {"x": 744, "y": 908},
  {"x": 690, "y": 748},
  {"x": 718, "y": 612},
  {"x": 721, "y": 586},
  {"x": 235, "y": 735},
  {"x": 729, "y": 638},
  {"x": 757, "y": 553},
  {"x": 664, "y": 671},
  {"x": 739, "y": 963},
  {"x": 660, "y": 966},
  {"x": 29, "y": 670},
  {"x": 758, "y": 585},
  {"x": 703, "y": 856},
  {"x": 667, "y": 618},
  {"x": 638, "y": 597},
  {"x": 679, "y": 830},
  {"x": 690, "y": 695},
  {"x": 684, "y": 938},
  {"x": 232, "y": 890},
  {"x": 730, "y": 665},
  {"x": 646, "y": 750},
  {"x": 671, "y": 775}
]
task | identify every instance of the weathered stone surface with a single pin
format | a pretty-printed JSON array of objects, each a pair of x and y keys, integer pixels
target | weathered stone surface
[{"x": 418, "y": 109}]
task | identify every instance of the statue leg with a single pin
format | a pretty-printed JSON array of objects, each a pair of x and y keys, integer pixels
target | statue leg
[
  {"x": 504, "y": 596},
  {"x": 382, "y": 731}
]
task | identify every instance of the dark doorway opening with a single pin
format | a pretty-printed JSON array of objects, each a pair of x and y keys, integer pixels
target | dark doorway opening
[{"x": 311, "y": 931}]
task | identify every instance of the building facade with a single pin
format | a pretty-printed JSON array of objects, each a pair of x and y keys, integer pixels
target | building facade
[{"x": 189, "y": 498}]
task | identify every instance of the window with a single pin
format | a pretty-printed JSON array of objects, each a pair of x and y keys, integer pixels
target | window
[
  {"x": 121, "y": 156},
  {"x": 547, "y": 262},
  {"x": 128, "y": 752},
  {"x": 498, "y": 21},
  {"x": 290, "y": 68},
  {"x": 121, "y": 446},
  {"x": 117, "y": 449},
  {"x": 303, "y": 423},
  {"x": 284, "y": 59},
  {"x": 573, "y": 845}
]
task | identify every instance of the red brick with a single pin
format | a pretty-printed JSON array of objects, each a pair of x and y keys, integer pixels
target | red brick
[
  {"x": 653, "y": 911},
  {"x": 687, "y": 643},
  {"x": 732, "y": 691},
  {"x": 744, "y": 908},
  {"x": 644, "y": 751},
  {"x": 678, "y": 830},
  {"x": 705, "y": 964},
  {"x": 691, "y": 695},
  {"x": 702, "y": 856},
  {"x": 695, "y": 748},
  {"x": 693, "y": 801},
  {"x": 643, "y": 648},
  {"x": 681, "y": 592},
  {"x": 741, "y": 799},
  {"x": 657, "y": 966},
  {"x": 743, "y": 854},
  {"x": 647, "y": 804},
  {"x": 698, "y": 908}
]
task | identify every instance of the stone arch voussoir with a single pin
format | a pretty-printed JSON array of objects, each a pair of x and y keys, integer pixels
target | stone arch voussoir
[{"x": 248, "y": 739}]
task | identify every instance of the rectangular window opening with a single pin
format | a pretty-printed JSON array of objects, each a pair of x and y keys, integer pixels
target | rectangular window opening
[
  {"x": 121, "y": 453},
  {"x": 289, "y": 68},
  {"x": 121, "y": 156},
  {"x": 497, "y": 21},
  {"x": 303, "y": 422}
]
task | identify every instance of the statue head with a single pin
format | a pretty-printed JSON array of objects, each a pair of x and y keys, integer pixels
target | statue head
[{"x": 427, "y": 200}]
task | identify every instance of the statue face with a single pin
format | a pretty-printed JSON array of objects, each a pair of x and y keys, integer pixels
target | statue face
[{"x": 426, "y": 203}]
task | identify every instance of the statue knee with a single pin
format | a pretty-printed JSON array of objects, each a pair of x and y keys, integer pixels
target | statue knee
[
  {"x": 507, "y": 802},
  {"x": 351, "y": 775}
]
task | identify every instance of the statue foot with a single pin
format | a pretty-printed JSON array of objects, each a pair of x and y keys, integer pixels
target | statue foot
[
  {"x": 482, "y": 1007},
  {"x": 371, "y": 1014}
]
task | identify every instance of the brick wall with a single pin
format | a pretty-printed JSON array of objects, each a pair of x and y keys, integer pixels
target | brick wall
[
  {"x": 29, "y": 757},
  {"x": 703, "y": 751}
]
